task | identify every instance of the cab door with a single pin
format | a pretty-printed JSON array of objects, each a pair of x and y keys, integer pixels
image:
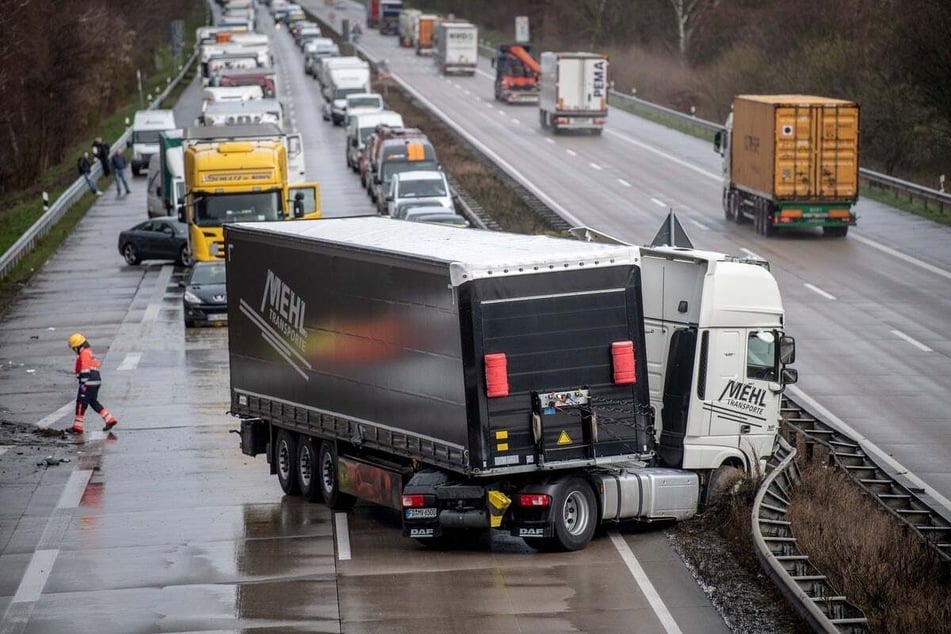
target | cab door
[
  {"x": 296, "y": 169},
  {"x": 303, "y": 202},
  {"x": 724, "y": 413}
]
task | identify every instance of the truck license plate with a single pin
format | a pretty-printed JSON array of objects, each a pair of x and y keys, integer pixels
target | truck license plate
[{"x": 412, "y": 514}]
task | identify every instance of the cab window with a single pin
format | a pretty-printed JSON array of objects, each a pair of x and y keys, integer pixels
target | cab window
[{"x": 761, "y": 356}]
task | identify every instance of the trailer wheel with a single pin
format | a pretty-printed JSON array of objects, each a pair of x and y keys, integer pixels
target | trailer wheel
[
  {"x": 835, "y": 232},
  {"x": 307, "y": 472},
  {"x": 329, "y": 480},
  {"x": 574, "y": 516},
  {"x": 729, "y": 212},
  {"x": 285, "y": 457}
]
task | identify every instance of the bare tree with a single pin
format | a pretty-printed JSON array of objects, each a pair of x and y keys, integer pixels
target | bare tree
[{"x": 689, "y": 17}]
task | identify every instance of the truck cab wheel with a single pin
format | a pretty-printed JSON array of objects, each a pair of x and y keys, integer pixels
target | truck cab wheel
[
  {"x": 307, "y": 472},
  {"x": 285, "y": 458},
  {"x": 574, "y": 517},
  {"x": 329, "y": 479}
]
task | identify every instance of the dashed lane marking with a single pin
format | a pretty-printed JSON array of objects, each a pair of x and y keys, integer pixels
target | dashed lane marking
[
  {"x": 342, "y": 531},
  {"x": 55, "y": 416},
  {"x": 130, "y": 362},
  {"x": 595, "y": 166},
  {"x": 914, "y": 342},
  {"x": 818, "y": 291},
  {"x": 624, "y": 182},
  {"x": 658, "y": 202}
]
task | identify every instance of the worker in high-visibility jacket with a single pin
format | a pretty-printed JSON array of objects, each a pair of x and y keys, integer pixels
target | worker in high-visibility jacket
[{"x": 87, "y": 371}]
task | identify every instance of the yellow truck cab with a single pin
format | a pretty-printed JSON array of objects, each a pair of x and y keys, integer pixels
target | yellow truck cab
[{"x": 231, "y": 176}]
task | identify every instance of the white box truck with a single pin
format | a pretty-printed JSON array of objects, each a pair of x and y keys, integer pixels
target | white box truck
[
  {"x": 146, "y": 126},
  {"x": 457, "y": 47},
  {"x": 574, "y": 91}
]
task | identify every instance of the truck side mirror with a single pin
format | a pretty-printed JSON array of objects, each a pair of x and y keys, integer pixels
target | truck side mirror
[
  {"x": 789, "y": 376},
  {"x": 181, "y": 213},
  {"x": 718, "y": 142},
  {"x": 787, "y": 350}
]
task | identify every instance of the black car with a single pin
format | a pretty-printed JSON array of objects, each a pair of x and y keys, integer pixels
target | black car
[
  {"x": 157, "y": 239},
  {"x": 205, "y": 300}
]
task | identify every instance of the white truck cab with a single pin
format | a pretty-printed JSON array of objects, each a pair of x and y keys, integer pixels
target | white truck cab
[
  {"x": 716, "y": 356},
  {"x": 418, "y": 185},
  {"x": 146, "y": 126}
]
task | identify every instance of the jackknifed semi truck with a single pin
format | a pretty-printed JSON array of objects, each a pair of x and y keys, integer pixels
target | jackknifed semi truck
[
  {"x": 477, "y": 380},
  {"x": 791, "y": 161}
]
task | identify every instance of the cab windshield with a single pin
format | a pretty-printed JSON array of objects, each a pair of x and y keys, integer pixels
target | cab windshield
[
  {"x": 423, "y": 188},
  {"x": 217, "y": 209},
  {"x": 145, "y": 136},
  {"x": 364, "y": 102},
  {"x": 343, "y": 93}
]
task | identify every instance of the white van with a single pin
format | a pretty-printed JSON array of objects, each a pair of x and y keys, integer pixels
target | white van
[
  {"x": 146, "y": 126},
  {"x": 418, "y": 185},
  {"x": 362, "y": 126},
  {"x": 360, "y": 103}
]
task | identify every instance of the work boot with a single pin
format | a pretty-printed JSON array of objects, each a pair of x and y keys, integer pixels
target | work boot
[
  {"x": 77, "y": 427},
  {"x": 109, "y": 419}
]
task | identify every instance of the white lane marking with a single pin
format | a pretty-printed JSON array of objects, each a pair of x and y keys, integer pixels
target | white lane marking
[
  {"x": 55, "y": 416},
  {"x": 699, "y": 224},
  {"x": 489, "y": 105},
  {"x": 595, "y": 166},
  {"x": 658, "y": 202},
  {"x": 342, "y": 530},
  {"x": 699, "y": 170},
  {"x": 130, "y": 362},
  {"x": 515, "y": 121},
  {"x": 151, "y": 312},
  {"x": 467, "y": 91},
  {"x": 3, "y": 450},
  {"x": 75, "y": 487},
  {"x": 914, "y": 342},
  {"x": 880, "y": 455},
  {"x": 650, "y": 593},
  {"x": 552, "y": 141},
  {"x": 484, "y": 74},
  {"x": 571, "y": 153},
  {"x": 35, "y": 577},
  {"x": 41, "y": 563},
  {"x": 624, "y": 182},
  {"x": 750, "y": 253},
  {"x": 819, "y": 291},
  {"x": 902, "y": 256}
]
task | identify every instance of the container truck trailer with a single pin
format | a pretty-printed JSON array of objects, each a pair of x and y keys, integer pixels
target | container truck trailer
[
  {"x": 478, "y": 380},
  {"x": 456, "y": 47},
  {"x": 791, "y": 161},
  {"x": 574, "y": 92}
]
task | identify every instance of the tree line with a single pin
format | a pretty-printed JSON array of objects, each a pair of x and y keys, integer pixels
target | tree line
[
  {"x": 65, "y": 65},
  {"x": 892, "y": 57}
]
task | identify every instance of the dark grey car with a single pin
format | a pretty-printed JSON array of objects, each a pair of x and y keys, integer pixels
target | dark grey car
[
  {"x": 156, "y": 239},
  {"x": 205, "y": 300}
]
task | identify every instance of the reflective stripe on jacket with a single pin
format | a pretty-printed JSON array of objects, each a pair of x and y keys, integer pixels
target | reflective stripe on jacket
[{"x": 87, "y": 367}]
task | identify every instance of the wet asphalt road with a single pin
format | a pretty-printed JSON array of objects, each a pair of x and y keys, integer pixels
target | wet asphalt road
[{"x": 164, "y": 526}]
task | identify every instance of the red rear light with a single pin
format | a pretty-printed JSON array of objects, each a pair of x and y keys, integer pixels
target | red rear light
[
  {"x": 496, "y": 375},
  {"x": 411, "y": 501},
  {"x": 622, "y": 353},
  {"x": 533, "y": 499}
]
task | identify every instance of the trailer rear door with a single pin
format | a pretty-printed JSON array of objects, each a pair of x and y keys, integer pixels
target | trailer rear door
[{"x": 817, "y": 145}]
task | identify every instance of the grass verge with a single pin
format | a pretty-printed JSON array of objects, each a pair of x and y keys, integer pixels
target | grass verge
[
  {"x": 914, "y": 206},
  {"x": 867, "y": 554}
]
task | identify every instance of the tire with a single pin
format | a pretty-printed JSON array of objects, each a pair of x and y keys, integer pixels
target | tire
[
  {"x": 189, "y": 323},
  {"x": 135, "y": 170},
  {"x": 308, "y": 475},
  {"x": 737, "y": 209},
  {"x": 574, "y": 516},
  {"x": 185, "y": 256},
  {"x": 729, "y": 212},
  {"x": 130, "y": 254},
  {"x": 285, "y": 459},
  {"x": 328, "y": 480},
  {"x": 542, "y": 120},
  {"x": 835, "y": 232},
  {"x": 723, "y": 479}
]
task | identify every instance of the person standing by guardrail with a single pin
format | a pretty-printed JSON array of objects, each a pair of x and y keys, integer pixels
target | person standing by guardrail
[
  {"x": 101, "y": 151},
  {"x": 118, "y": 164},
  {"x": 84, "y": 166}
]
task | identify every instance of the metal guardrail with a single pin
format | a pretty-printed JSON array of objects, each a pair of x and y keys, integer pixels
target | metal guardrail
[
  {"x": 27, "y": 242},
  {"x": 803, "y": 585}
]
